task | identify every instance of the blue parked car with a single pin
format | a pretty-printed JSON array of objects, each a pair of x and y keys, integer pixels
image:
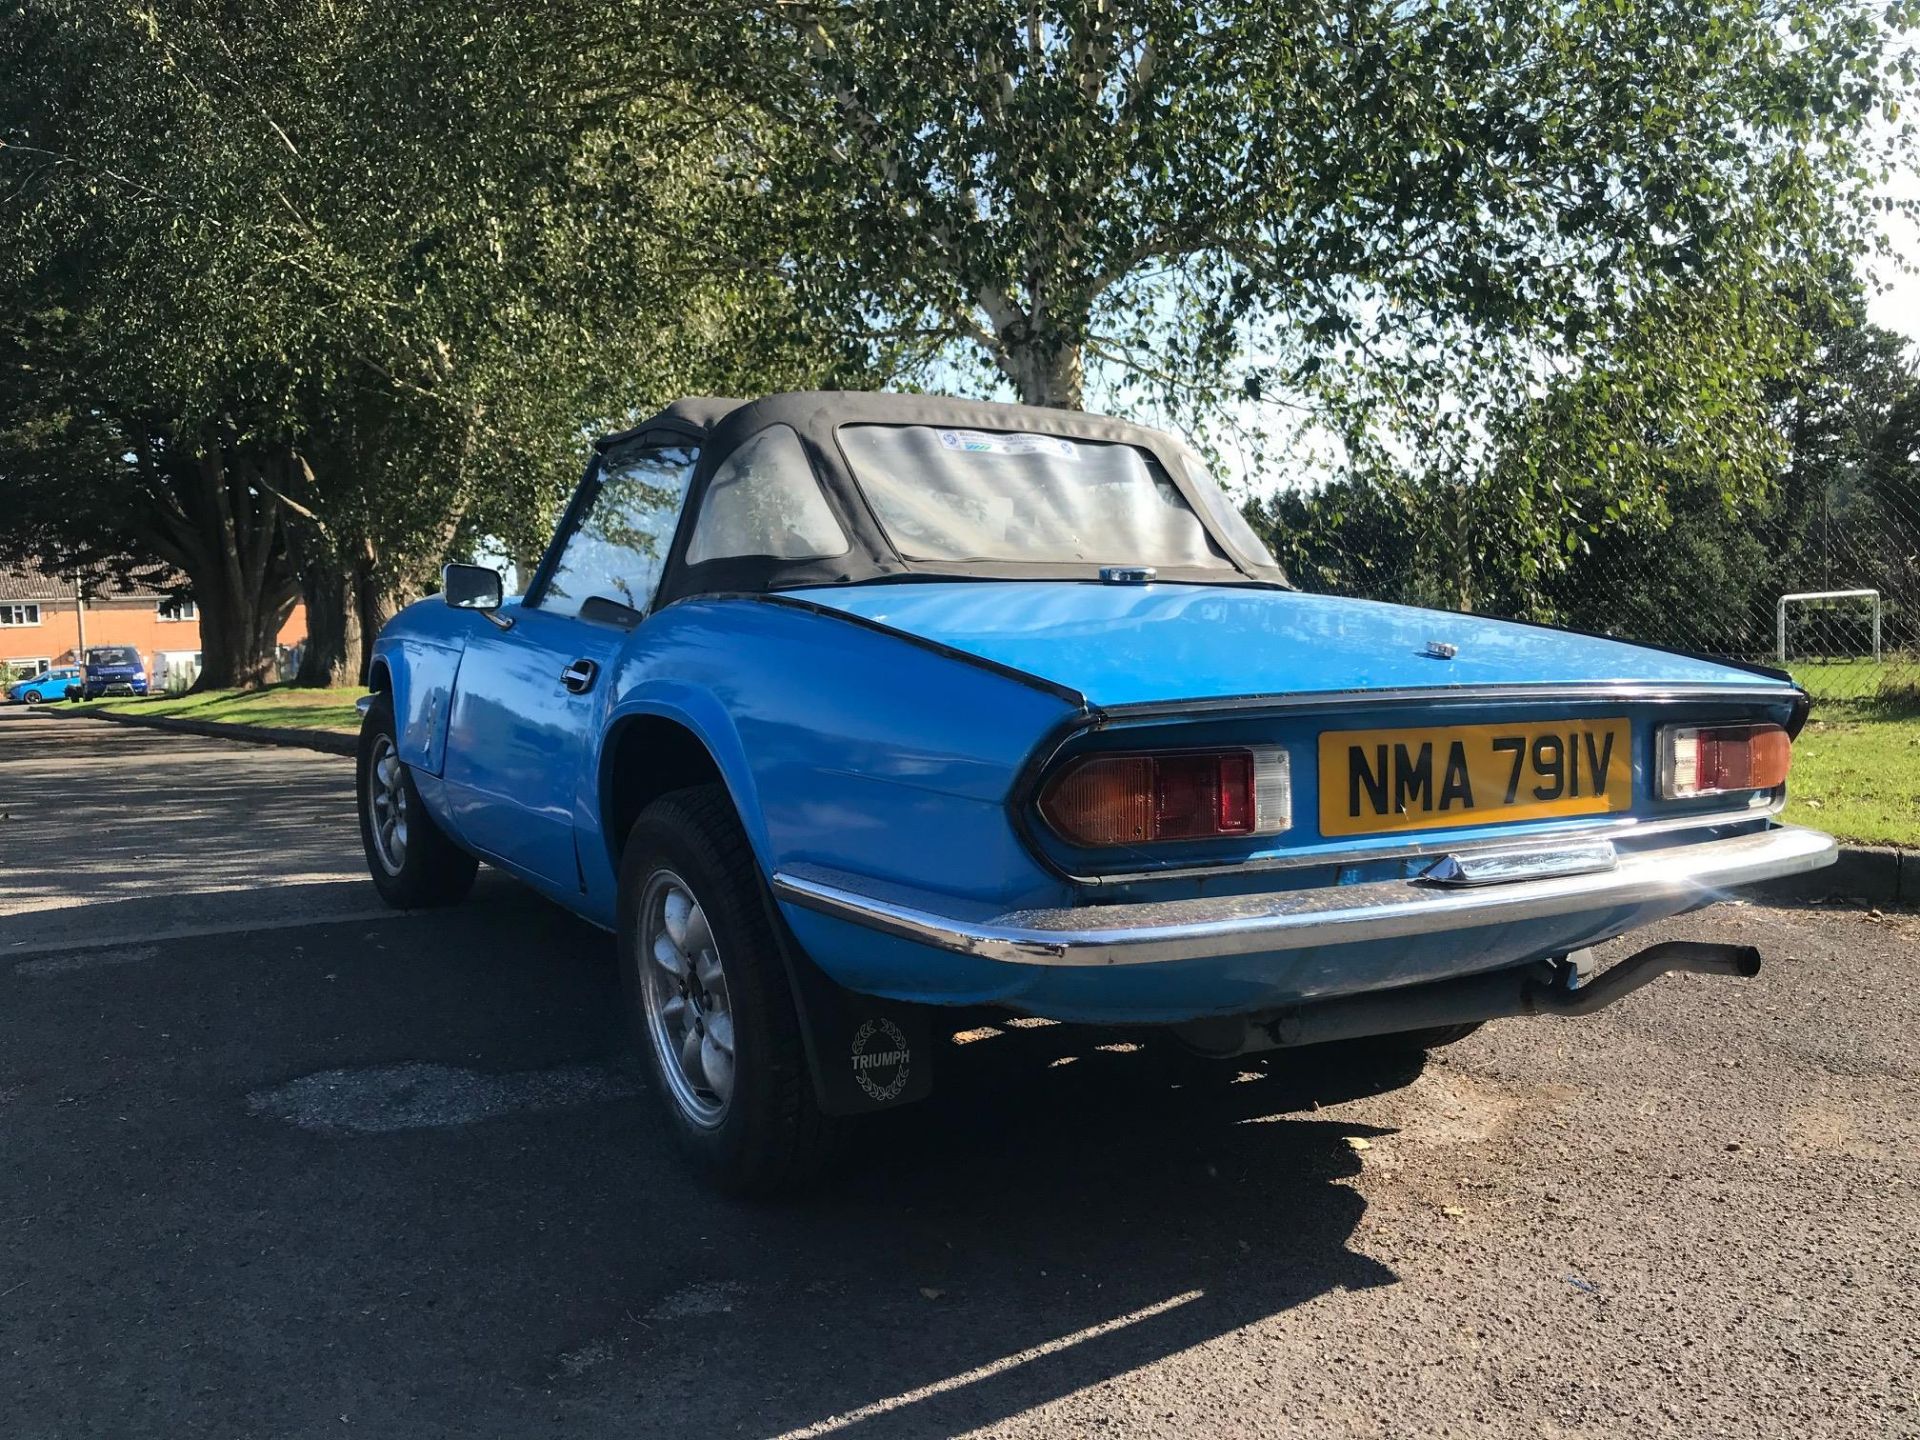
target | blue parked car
[
  {"x": 53, "y": 683},
  {"x": 850, "y": 712},
  {"x": 113, "y": 670}
]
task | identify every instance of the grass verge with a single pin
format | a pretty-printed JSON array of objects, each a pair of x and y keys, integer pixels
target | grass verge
[
  {"x": 1893, "y": 682},
  {"x": 1856, "y": 773},
  {"x": 278, "y": 707}
]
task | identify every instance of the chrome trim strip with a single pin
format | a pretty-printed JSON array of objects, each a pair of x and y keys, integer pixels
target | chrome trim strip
[
  {"x": 1502, "y": 867},
  {"x": 1623, "y": 829},
  {"x": 1597, "y": 691},
  {"x": 1148, "y": 933}
]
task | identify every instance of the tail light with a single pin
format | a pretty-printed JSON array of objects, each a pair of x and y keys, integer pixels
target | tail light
[
  {"x": 1712, "y": 760},
  {"x": 1138, "y": 799}
]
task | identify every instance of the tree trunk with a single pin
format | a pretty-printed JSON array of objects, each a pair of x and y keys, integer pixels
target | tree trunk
[
  {"x": 237, "y": 635},
  {"x": 1049, "y": 376},
  {"x": 1039, "y": 350},
  {"x": 347, "y": 606},
  {"x": 378, "y": 604},
  {"x": 334, "y": 653},
  {"x": 1460, "y": 567},
  {"x": 230, "y": 540},
  {"x": 524, "y": 564}
]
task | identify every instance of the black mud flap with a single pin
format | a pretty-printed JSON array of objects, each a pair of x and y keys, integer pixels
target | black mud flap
[{"x": 865, "y": 1053}]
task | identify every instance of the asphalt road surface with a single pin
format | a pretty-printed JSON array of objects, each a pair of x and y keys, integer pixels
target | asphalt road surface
[{"x": 361, "y": 1175}]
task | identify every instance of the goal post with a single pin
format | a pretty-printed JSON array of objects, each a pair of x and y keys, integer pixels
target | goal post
[{"x": 1817, "y": 596}]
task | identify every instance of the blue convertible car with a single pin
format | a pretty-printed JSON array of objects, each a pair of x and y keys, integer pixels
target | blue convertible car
[{"x": 842, "y": 708}]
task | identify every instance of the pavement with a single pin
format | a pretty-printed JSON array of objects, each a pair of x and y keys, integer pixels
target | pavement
[
  {"x": 366, "y": 1174},
  {"x": 112, "y": 832}
]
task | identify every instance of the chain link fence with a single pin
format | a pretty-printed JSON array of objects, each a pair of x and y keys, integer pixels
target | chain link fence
[
  {"x": 1832, "y": 596},
  {"x": 1823, "y": 582}
]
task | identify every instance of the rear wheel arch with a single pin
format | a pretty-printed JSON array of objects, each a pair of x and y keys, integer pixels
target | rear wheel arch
[
  {"x": 380, "y": 678},
  {"x": 647, "y": 756}
]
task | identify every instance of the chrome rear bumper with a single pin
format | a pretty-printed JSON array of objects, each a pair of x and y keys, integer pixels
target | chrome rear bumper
[{"x": 1147, "y": 933}]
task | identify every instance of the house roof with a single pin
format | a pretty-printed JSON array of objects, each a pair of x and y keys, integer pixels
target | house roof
[{"x": 29, "y": 582}]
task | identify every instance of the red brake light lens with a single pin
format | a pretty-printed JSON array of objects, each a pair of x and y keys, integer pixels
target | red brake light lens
[
  {"x": 1176, "y": 795},
  {"x": 1713, "y": 760}
]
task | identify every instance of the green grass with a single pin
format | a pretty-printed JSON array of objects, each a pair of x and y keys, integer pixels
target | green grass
[
  {"x": 1856, "y": 772},
  {"x": 1893, "y": 681},
  {"x": 279, "y": 707}
]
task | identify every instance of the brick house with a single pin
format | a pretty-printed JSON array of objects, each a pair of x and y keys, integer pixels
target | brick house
[{"x": 45, "y": 621}]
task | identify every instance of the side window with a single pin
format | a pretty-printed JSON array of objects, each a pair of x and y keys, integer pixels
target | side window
[
  {"x": 620, "y": 548},
  {"x": 765, "y": 501}
]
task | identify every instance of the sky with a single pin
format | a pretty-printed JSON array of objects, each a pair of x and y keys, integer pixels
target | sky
[{"x": 1899, "y": 307}]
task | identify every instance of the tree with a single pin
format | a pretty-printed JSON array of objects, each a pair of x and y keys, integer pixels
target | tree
[
  {"x": 1689, "y": 569},
  {"x": 102, "y": 458},
  {"x": 1137, "y": 182},
  {"x": 329, "y": 241},
  {"x": 399, "y": 258},
  {"x": 1394, "y": 229}
]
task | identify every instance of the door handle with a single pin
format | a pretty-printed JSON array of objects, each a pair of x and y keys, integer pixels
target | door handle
[{"x": 579, "y": 676}]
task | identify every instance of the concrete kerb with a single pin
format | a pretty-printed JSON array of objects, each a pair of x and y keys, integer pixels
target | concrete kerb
[{"x": 328, "y": 742}]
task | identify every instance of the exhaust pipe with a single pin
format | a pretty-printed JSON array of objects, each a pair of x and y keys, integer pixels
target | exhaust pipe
[
  {"x": 1697, "y": 957},
  {"x": 1544, "y": 988}
]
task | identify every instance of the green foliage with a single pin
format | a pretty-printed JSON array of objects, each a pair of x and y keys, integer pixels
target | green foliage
[
  {"x": 1516, "y": 278},
  {"x": 385, "y": 261},
  {"x": 1412, "y": 238},
  {"x": 1663, "y": 556}
]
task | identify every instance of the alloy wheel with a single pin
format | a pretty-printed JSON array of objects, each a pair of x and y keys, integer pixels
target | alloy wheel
[
  {"x": 689, "y": 1010},
  {"x": 387, "y": 795}
]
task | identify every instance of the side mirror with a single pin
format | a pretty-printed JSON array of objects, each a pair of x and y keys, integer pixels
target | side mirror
[{"x": 471, "y": 587}]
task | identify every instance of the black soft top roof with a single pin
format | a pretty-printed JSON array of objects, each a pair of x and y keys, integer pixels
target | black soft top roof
[
  {"x": 806, "y": 409},
  {"x": 694, "y": 414},
  {"x": 719, "y": 426}
]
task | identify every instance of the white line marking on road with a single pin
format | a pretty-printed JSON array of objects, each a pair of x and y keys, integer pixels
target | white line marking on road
[{"x": 987, "y": 1371}]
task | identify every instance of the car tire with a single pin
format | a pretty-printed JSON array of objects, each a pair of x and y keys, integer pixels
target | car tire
[
  {"x": 702, "y": 971},
  {"x": 413, "y": 863},
  {"x": 32, "y": 697}
]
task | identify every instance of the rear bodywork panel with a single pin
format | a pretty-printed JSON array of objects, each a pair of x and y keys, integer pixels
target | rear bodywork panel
[
  {"x": 1121, "y": 646},
  {"x": 886, "y": 741}
]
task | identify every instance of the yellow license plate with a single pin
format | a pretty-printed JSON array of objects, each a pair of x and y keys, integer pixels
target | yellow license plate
[{"x": 1379, "y": 781}]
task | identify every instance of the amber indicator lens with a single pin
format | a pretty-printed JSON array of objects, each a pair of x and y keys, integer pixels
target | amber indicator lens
[
  {"x": 1703, "y": 760},
  {"x": 1138, "y": 799}
]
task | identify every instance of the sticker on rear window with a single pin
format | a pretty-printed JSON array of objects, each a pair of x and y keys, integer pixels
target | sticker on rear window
[{"x": 981, "y": 442}]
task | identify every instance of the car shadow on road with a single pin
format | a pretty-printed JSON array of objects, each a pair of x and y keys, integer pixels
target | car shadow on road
[
  {"x": 1065, "y": 1208},
  {"x": 1059, "y": 1213}
]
